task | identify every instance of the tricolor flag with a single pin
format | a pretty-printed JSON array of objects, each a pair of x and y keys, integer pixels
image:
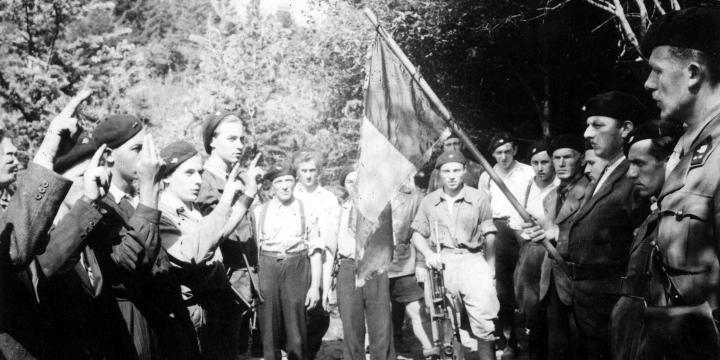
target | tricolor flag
[{"x": 398, "y": 133}]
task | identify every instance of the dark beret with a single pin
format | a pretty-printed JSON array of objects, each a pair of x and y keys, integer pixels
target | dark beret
[
  {"x": 421, "y": 179},
  {"x": 692, "y": 28},
  {"x": 449, "y": 157},
  {"x": 115, "y": 130},
  {"x": 650, "y": 130},
  {"x": 617, "y": 105},
  {"x": 500, "y": 139},
  {"x": 211, "y": 123},
  {"x": 567, "y": 141},
  {"x": 278, "y": 170},
  {"x": 82, "y": 150},
  {"x": 537, "y": 147},
  {"x": 175, "y": 154}
]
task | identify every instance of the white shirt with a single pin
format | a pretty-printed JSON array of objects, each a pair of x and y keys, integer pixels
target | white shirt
[
  {"x": 608, "y": 170},
  {"x": 325, "y": 204},
  {"x": 119, "y": 194},
  {"x": 536, "y": 196},
  {"x": 516, "y": 180}
]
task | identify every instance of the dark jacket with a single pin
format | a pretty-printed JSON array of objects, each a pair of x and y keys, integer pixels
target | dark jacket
[
  {"x": 561, "y": 218},
  {"x": 24, "y": 226}
]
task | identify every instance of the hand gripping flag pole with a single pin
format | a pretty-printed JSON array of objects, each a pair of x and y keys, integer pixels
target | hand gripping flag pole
[{"x": 552, "y": 251}]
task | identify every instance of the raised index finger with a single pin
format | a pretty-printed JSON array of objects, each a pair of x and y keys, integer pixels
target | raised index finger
[
  {"x": 76, "y": 100},
  {"x": 98, "y": 155},
  {"x": 234, "y": 172},
  {"x": 254, "y": 162}
]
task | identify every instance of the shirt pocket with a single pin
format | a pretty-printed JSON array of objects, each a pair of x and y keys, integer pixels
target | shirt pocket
[{"x": 684, "y": 223}]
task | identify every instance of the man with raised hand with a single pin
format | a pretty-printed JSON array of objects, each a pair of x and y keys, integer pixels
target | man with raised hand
[{"x": 25, "y": 223}]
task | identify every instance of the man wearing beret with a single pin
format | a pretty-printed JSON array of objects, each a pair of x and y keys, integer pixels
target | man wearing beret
[
  {"x": 474, "y": 170},
  {"x": 454, "y": 231},
  {"x": 290, "y": 266},
  {"x": 684, "y": 55},
  {"x": 223, "y": 136},
  {"x": 126, "y": 241},
  {"x": 8, "y": 169},
  {"x": 647, "y": 149},
  {"x": 25, "y": 224},
  {"x": 526, "y": 277},
  {"x": 559, "y": 206},
  {"x": 601, "y": 231},
  {"x": 516, "y": 176}
]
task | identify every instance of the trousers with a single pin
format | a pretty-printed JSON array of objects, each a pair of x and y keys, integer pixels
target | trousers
[
  {"x": 284, "y": 283},
  {"x": 369, "y": 304}
]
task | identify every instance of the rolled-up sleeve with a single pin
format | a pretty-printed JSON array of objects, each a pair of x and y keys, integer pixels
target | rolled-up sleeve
[
  {"x": 315, "y": 240},
  {"x": 485, "y": 218},
  {"x": 421, "y": 223},
  {"x": 144, "y": 229}
]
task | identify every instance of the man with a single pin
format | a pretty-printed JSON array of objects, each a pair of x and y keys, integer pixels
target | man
[
  {"x": 459, "y": 219},
  {"x": 127, "y": 247},
  {"x": 601, "y": 231},
  {"x": 25, "y": 224},
  {"x": 308, "y": 189},
  {"x": 290, "y": 266},
  {"x": 647, "y": 149},
  {"x": 684, "y": 54},
  {"x": 559, "y": 207},
  {"x": 516, "y": 176},
  {"x": 367, "y": 307},
  {"x": 527, "y": 273},
  {"x": 8, "y": 170},
  {"x": 474, "y": 170},
  {"x": 223, "y": 136},
  {"x": 593, "y": 164}
]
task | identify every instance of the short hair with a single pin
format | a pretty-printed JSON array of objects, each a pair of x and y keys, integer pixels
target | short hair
[
  {"x": 306, "y": 156},
  {"x": 711, "y": 63},
  {"x": 661, "y": 148}
]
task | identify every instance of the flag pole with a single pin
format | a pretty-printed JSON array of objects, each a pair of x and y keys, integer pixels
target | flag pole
[{"x": 450, "y": 121}]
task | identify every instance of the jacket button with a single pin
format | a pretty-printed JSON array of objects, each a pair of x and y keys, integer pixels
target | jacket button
[
  {"x": 41, "y": 190},
  {"x": 45, "y": 184},
  {"x": 38, "y": 196}
]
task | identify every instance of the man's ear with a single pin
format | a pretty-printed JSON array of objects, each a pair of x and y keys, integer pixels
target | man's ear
[
  {"x": 626, "y": 128},
  {"x": 695, "y": 75}
]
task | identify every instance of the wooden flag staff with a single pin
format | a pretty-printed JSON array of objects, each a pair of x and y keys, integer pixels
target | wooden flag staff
[{"x": 461, "y": 134}]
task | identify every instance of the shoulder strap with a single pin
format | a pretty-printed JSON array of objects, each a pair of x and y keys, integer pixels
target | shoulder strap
[
  {"x": 302, "y": 218},
  {"x": 261, "y": 220}
]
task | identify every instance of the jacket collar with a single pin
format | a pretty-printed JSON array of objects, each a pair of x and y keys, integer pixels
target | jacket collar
[{"x": 606, "y": 188}]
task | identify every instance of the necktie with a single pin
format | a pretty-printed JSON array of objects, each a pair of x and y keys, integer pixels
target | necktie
[{"x": 600, "y": 180}]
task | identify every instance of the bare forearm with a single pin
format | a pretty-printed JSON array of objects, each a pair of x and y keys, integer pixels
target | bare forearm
[
  {"x": 421, "y": 244},
  {"x": 11, "y": 349},
  {"x": 490, "y": 250},
  {"x": 328, "y": 262},
  {"x": 316, "y": 269}
]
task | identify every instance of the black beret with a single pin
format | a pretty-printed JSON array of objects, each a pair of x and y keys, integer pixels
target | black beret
[
  {"x": 537, "y": 147},
  {"x": 115, "y": 130},
  {"x": 500, "y": 139},
  {"x": 692, "y": 28},
  {"x": 650, "y": 130},
  {"x": 449, "y": 157},
  {"x": 617, "y": 105},
  {"x": 175, "y": 154},
  {"x": 83, "y": 149},
  {"x": 278, "y": 170},
  {"x": 211, "y": 123},
  {"x": 421, "y": 179},
  {"x": 567, "y": 141}
]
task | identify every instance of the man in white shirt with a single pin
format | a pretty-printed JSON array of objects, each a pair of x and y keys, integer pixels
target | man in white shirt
[
  {"x": 516, "y": 177},
  {"x": 527, "y": 273},
  {"x": 307, "y": 165},
  {"x": 290, "y": 266}
]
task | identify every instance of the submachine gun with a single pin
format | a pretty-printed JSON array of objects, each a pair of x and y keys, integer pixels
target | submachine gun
[{"x": 444, "y": 314}]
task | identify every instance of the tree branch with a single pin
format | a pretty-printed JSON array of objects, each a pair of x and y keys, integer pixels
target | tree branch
[
  {"x": 602, "y": 5},
  {"x": 644, "y": 19},
  {"x": 659, "y": 7},
  {"x": 627, "y": 29}
]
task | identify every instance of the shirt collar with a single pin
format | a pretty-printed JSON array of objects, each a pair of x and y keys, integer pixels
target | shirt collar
[
  {"x": 118, "y": 194},
  {"x": 693, "y": 131},
  {"x": 441, "y": 196},
  {"x": 170, "y": 204},
  {"x": 615, "y": 164},
  {"x": 215, "y": 170}
]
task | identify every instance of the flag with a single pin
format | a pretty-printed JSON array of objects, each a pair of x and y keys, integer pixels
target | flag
[{"x": 399, "y": 130}]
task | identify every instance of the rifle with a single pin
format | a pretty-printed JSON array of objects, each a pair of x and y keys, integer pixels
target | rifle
[{"x": 444, "y": 317}]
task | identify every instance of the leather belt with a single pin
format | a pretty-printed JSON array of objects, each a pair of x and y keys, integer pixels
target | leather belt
[
  {"x": 283, "y": 255},
  {"x": 595, "y": 271}
]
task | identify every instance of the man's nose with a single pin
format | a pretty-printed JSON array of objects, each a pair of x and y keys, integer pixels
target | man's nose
[{"x": 589, "y": 133}]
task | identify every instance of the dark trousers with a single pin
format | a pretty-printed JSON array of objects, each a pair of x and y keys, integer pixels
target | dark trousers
[
  {"x": 371, "y": 304},
  {"x": 507, "y": 251},
  {"x": 284, "y": 284},
  {"x": 220, "y": 336},
  {"x": 560, "y": 326}
]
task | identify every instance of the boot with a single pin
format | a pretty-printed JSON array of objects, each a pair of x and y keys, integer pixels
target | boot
[{"x": 486, "y": 349}]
